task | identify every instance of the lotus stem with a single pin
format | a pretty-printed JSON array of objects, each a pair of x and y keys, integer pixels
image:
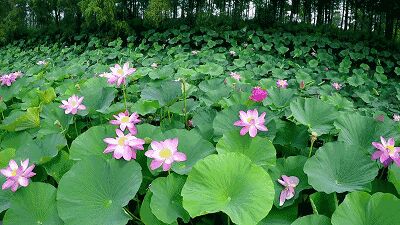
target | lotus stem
[{"x": 124, "y": 91}]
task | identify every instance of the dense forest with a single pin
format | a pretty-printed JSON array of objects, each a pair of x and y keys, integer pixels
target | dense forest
[{"x": 30, "y": 18}]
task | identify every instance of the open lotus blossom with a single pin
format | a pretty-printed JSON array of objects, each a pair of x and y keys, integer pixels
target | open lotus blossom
[
  {"x": 72, "y": 105},
  {"x": 154, "y": 65},
  {"x": 124, "y": 120},
  {"x": 288, "y": 192},
  {"x": 121, "y": 73},
  {"x": 124, "y": 146},
  {"x": 17, "y": 175},
  {"x": 194, "y": 52},
  {"x": 282, "y": 84},
  {"x": 258, "y": 94},
  {"x": 9, "y": 79},
  {"x": 337, "y": 86},
  {"x": 235, "y": 76},
  {"x": 251, "y": 122},
  {"x": 396, "y": 117},
  {"x": 232, "y": 53},
  {"x": 386, "y": 152},
  {"x": 164, "y": 153}
]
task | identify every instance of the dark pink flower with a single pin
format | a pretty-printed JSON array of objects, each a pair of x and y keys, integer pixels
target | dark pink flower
[
  {"x": 17, "y": 175},
  {"x": 386, "y": 152},
  {"x": 251, "y": 122},
  {"x": 288, "y": 192},
  {"x": 258, "y": 94}
]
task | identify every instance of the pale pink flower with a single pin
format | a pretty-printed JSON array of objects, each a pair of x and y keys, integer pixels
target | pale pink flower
[
  {"x": 124, "y": 146},
  {"x": 122, "y": 72},
  {"x": 288, "y": 192},
  {"x": 17, "y": 175},
  {"x": 337, "y": 86},
  {"x": 154, "y": 65},
  {"x": 165, "y": 153},
  {"x": 386, "y": 152},
  {"x": 73, "y": 104},
  {"x": 235, "y": 76},
  {"x": 282, "y": 84},
  {"x": 396, "y": 117},
  {"x": 42, "y": 62},
  {"x": 111, "y": 78},
  {"x": 232, "y": 53},
  {"x": 251, "y": 122},
  {"x": 125, "y": 121},
  {"x": 194, "y": 52},
  {"x": 258, "y": 94}
]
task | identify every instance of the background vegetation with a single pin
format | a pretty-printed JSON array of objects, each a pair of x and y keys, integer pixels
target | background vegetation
[{"x": 69, "y": 18}]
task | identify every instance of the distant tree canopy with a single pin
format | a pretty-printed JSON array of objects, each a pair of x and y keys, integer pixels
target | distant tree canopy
[{"x": 25, "y": 18}]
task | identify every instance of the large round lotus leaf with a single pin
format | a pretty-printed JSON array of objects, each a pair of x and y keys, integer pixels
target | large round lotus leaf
[
  {"x": 362, "y": 131},
  {"x": 230, "y": 183},
  {"x": 260, "y": 150},
  {"x": 35, "y": 204},
  {"x": 95, "y": 190},
  {"x": 5, "y": 196},
  {"x": 190, "y": 143},
  {"x": 166, "y": 202},
  {"x": 312, "y": 220},
  {"x": 146, "y": 215},
  {"x": 90, "y": 143},
  {"x": 314, "y": 113},
  {"x": 97, "y": 95},
  {"x": 340, "y": 167},
  {"x": 279, "y": 98},
  {"x": 280, "y": 216},
  {"x": 360, "y": 208},
  {"x": 291, "y": 166},
  {"x": 394, "y": 176}
]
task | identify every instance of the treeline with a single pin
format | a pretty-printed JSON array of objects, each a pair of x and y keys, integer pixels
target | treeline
[{"x": 67, "y": 18}]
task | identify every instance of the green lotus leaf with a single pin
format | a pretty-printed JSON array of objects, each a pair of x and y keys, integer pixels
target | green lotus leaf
[
  {"x": 59, "y": 165},
  {"x": 95, "y": 190},
  {"x": 97, "y": 95},
  {"x": 90, "y": 143},
  {"x": 22, "y": 120},
  {"x": 360, "y": 208},
  {"x": 166, "y": 202},
  {"x": 260, "y": 150},
  {"x": 362, "y": 131},
  {"x": 283, "y": 216},
  {"x": 190, "y": 143},
  {"x": 312, "y": 219},
  {"x": 394, "y": 176},
  {"x": 5, "y": 196},
  {"x": 165, "y": 93},
  {"x": 245, "y": 193},
  {"x": 340, "y": 167},
  {"x": 314, "y": 113},
  {"x": 35, "y": 204},
  {"x": 291, "y": 166},
  {"x": 146, "y": 215},
  {"x": 323, "y": 204}
]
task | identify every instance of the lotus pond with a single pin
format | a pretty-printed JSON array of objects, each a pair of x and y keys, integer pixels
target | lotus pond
[{"x": 200, "y": 127}]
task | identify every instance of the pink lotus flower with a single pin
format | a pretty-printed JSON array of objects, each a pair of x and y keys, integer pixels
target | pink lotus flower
[
  {"x": 111, "y": 79},
  {"x": 194, "y": 52},
  {"x": 42, "y": 62},
  {"x": 282, "y": 84},
  {"x": 251, "y": 122},
  {"x": 73, "y": 104},
  {"x": 232, "y": 53},
  {"x": 386, "y": 152},
  {"x": 123, "y": 145},
  {"x": 288, "y": 192},
  {"x": 326, "y": 69},
  {"x": 17, "y": 175},
  {"x": 125, "y": 121},
  {"x": 396, "y": 117},
  {"x": 258, "y": 94},
  {"x": 164, "y": 153},
  {"x": 154, "y": 65},
  {"x": 121, "y": 73},
  {"x": 235, "y": 76},
  {"x": 337, "y": 86},
  {"x": 6, "y": 80}
]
